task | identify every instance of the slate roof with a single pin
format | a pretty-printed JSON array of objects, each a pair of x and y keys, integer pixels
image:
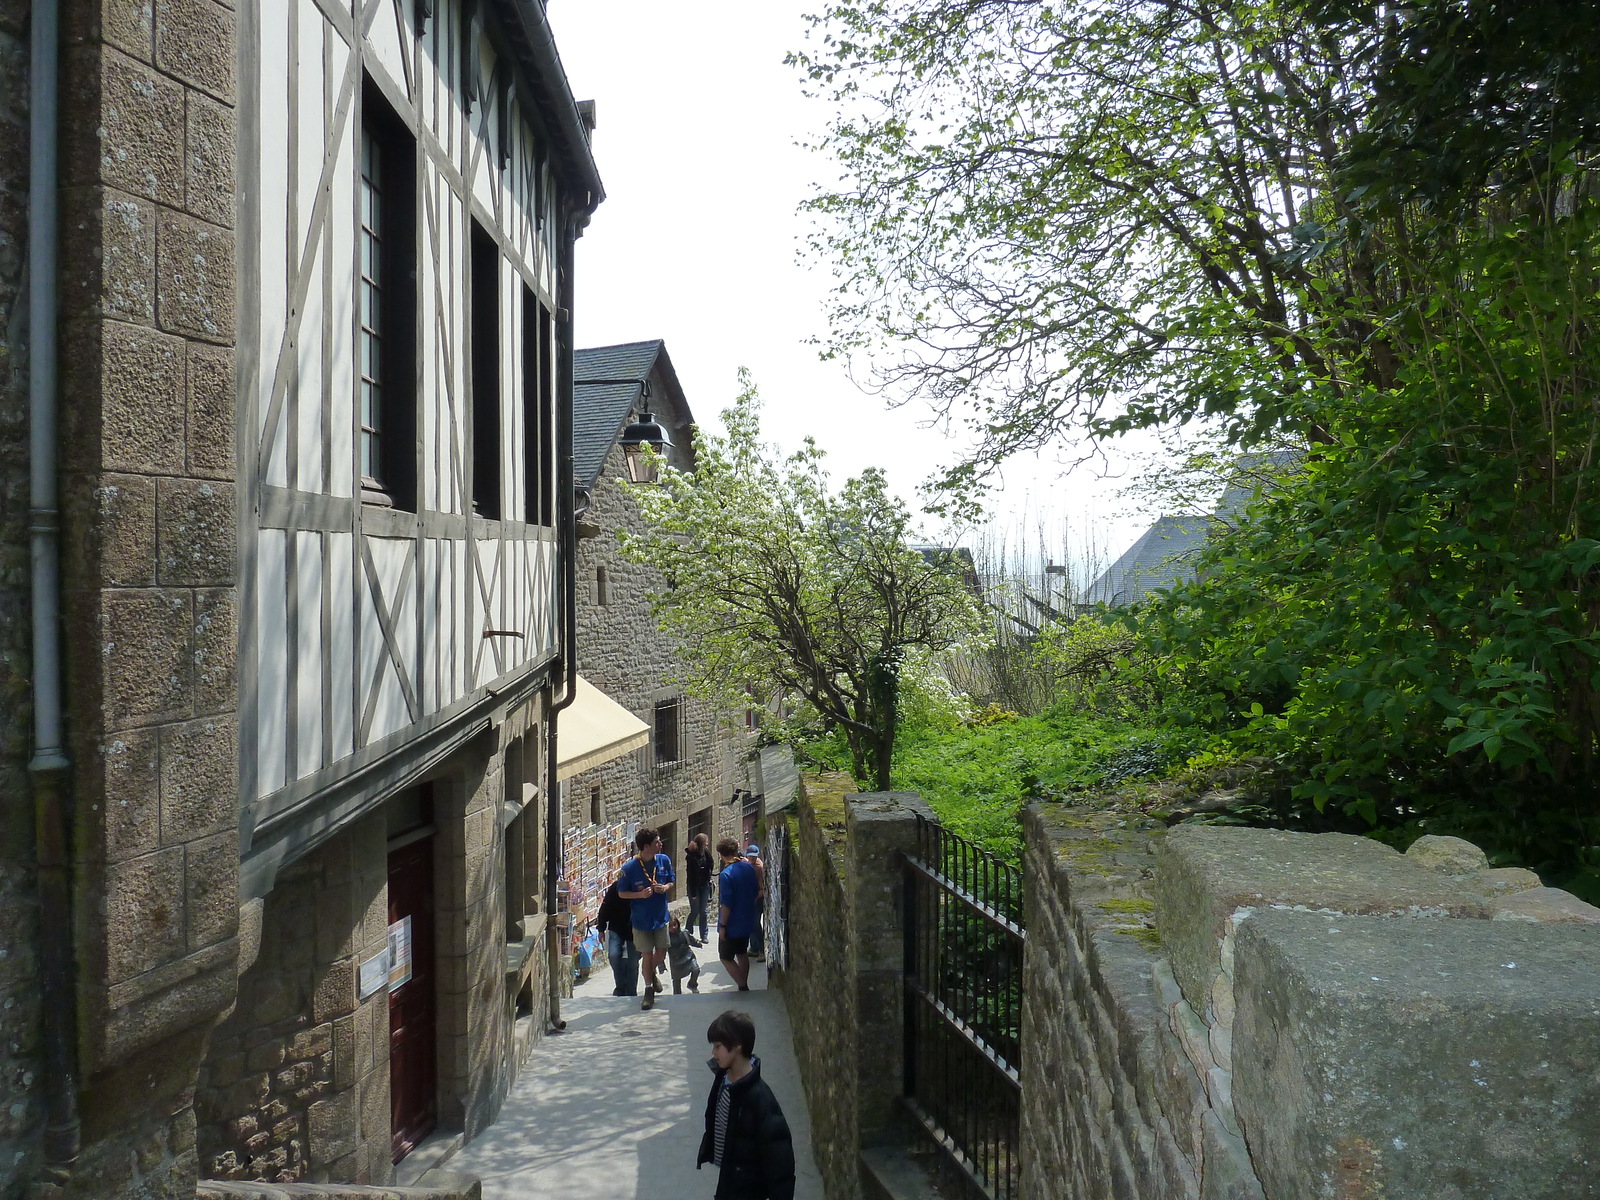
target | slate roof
[
  {"x": 1165, "y": 553},
  {"x": 599, "y": 411}
]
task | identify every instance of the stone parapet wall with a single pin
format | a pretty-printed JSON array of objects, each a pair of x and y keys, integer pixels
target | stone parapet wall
[
  {"x": 1111, "y": 1104},
  {"x": 1223, "y": 1012},
  {"x": 817, "y": 983},
  {"x": 1357, "y": 1009}
]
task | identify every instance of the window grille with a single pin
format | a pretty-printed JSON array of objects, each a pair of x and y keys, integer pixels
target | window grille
[{"x": 669, "y": 731}]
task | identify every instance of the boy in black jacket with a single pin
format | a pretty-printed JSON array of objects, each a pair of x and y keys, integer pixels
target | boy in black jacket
[{"x": 746, "y": 1135}]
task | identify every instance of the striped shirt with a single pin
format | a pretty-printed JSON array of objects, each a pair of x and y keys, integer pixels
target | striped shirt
[{"x": 724, "y": 1106}]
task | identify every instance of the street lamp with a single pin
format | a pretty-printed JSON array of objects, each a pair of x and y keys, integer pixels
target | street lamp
[{"x": 646, "y": 431}]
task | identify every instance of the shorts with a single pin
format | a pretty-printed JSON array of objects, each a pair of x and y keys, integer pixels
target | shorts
[
  {"x": 652, "y": 939},
  {"x": 729, "y": 948}
]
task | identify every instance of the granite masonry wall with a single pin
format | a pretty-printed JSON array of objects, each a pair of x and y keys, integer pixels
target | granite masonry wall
[
  {"x": 822, "y": 1009},
  {"x": 295, "y": 1088},
  {"x": 147, "y": 512},
  {"x": 1234, "y": 1013},
  {"x": 296, "y": 1084},
  {"x": 844, "y": 978},
  {"x": 21, "y": 1110},
  {"x": 623, "y": 653},
  {"x": 1110, "y": 1103},
  {"x": 440, "y": 1185}
]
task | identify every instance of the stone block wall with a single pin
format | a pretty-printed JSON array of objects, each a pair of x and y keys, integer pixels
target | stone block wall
[
  {"x": 21, "y": 1110},
  {"x": 816, "y": 980},
  {"x": 441, "y": 1186},
  {"x": 295, "y": 1088},
  {"x": 476, "y": 1063},
  {"x": 1225, "y": 1012},
  {"x": 1111, "y": 1105},
  {"x": 623, "y": 653},
  {"x": 844, "y": 976},
  {"x": 296, "y": 1083},
  {"x": 147, "y": 512}
]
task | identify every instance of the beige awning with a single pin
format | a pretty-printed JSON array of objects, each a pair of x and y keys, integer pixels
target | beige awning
[{"x": 594, "y": 729}]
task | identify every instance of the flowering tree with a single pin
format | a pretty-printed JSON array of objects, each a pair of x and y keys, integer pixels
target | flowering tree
[{"x": 777, "y": 582}]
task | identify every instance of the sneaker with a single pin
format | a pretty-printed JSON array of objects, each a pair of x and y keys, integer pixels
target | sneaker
[{"x": 696, "y": 942}]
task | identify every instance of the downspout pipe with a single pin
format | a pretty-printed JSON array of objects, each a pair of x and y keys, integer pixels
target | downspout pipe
[
  {"x": 568, "y": 528},
  {"x": 48, "y": 768}
]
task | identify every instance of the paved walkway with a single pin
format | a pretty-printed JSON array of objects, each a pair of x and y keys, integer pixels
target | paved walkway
[{"x": 614, "y": 1107}]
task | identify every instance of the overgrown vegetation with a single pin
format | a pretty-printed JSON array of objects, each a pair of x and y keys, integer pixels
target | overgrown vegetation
[
  {"x": 1371, "y": 231},
  {"x": 978, "y": 773}
]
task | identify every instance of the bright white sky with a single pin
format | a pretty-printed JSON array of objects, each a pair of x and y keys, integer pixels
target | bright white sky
[{"x": 698, "y": 240}]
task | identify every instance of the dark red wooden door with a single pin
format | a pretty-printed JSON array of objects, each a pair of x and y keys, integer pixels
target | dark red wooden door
[{"x": 413, "y": 1054}]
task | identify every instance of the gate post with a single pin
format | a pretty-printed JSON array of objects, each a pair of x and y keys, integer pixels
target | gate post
[{"x": 880, "y": 830}]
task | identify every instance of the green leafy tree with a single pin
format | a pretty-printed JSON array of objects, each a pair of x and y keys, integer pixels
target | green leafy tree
[
  {"x": 1413, "y": 618},
  {"x": 1099, "y": 214},
  {"x": 779, "y": 583}
]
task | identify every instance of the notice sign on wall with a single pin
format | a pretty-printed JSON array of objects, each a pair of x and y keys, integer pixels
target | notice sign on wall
[
  {"x": 400, "y": 953},
  {"x": 375, "y": 973}
]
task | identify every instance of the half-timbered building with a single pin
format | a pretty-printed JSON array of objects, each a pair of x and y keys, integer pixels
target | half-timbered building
[
  {"x": 286, "y": 912},
  {"x": 416, "y": 174}
]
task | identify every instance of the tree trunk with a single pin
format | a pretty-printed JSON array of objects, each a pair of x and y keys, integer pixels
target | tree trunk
[{"x": 883, "y": 751}]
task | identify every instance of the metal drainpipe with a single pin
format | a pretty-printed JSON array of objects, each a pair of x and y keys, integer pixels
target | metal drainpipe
[
  {"x": 569, "y": 600},
  {"x": 48, "y": 768}
]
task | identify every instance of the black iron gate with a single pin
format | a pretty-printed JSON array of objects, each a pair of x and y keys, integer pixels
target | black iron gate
[{"x": 963, "y": 1005}]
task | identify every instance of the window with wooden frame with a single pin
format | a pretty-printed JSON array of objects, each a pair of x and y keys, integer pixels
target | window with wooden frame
[
  {"x": 484, "y": 269},
  {"x": 386, "y": 365},
  {"x": 538, "y": 408}
]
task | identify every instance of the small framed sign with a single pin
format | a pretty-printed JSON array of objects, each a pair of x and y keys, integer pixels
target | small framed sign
[
  {"x": 399, "y": 954},
  {"x": 375, "y": 973}
]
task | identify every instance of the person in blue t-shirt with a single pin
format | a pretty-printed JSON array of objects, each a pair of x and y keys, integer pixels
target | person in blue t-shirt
[
  {"x": 737, "y": 894},
  {"x": 647, "y": 880}
]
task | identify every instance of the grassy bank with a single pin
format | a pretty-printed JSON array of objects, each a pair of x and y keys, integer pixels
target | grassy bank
[{"x": 978, "y": 776}]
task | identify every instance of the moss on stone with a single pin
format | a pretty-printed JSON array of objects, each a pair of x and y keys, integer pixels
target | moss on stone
[
  {"x": 822, "y": 799},
  {"x": 1095, "y": 854},
  {"x": 1149, "y": 938},
  {"x": 825, "y": 791}
]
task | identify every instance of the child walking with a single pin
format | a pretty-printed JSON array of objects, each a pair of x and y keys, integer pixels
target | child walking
[
  {"x": 681, "y": 959},
  {"x": 746, "y": 1137}
]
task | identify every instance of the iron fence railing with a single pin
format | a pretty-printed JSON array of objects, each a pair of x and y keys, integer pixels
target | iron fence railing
[{"x": 963, "y": 1005}]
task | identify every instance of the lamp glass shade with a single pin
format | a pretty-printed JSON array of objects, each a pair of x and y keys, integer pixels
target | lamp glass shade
[
  {"x": 646, "y": 431},
  {"x": 640, "y": 468}
]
